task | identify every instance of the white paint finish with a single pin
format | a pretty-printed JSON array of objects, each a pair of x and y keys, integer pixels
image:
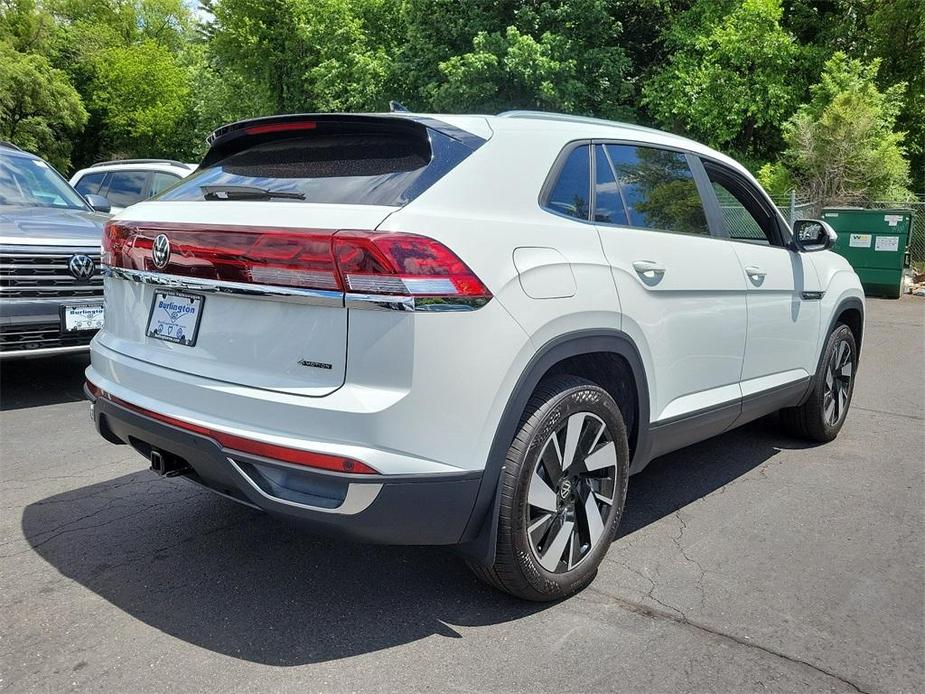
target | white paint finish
[
  {"x": 702, "y": 400},
  {"x": 691, "y": 317},
  {"x": 426, "y": 392},
  {"x": 241, "y": 340},
  {"x": 783, "y": 328},
  {"x": 544, "y": 273},
  {"x": 764, "y": 383}
]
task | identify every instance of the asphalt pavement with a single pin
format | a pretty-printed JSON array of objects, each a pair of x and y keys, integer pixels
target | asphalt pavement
[{"x": 752, "y": 562}]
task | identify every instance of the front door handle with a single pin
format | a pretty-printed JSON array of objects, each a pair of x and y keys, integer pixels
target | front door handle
[
  {"x": 648, "y": 267},
  {"x": 755, "y": 271}
]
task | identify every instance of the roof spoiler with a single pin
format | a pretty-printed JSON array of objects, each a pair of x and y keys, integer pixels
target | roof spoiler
[{"x": 235, "y": 137}]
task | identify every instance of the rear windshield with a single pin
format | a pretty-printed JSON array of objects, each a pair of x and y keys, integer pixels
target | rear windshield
[{"x": 359, "y": 169}]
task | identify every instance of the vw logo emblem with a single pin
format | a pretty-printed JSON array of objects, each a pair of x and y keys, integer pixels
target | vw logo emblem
[
  {"x": 160, "y": 251},
  {"x": 81, "y": 267},
  {"x": 565, "y": 489}
]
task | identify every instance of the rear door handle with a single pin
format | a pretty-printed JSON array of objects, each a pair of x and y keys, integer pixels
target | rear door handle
[
  {"x": 648, "y": 266},
  {"x": 755, "y": 271}
]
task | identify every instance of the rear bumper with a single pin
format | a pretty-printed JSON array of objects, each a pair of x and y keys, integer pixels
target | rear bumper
[{"x": 390, "y": 509}]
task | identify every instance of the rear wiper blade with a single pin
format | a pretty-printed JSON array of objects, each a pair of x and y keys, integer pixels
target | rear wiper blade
[{"x": 246, "y": 193}]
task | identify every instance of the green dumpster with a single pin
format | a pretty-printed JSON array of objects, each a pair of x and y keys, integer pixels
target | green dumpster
[{"x": 876, "y": 243}]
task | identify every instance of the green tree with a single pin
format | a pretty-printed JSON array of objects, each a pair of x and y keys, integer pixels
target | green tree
[
  {"x": 733, "y": 78},
  {"x": 509, "y": 70},
  {"x": 39, "y": 109},
  {"x": 141, "y": 93},
  {"x": 312, "y": 55},
  {"x": 842, "y": 145}
]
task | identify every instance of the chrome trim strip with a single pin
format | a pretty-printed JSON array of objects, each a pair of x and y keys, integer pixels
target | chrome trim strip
[
  {"x": 812, "y": 296},
  {"x": 359, "y": 496},
  {"x": 317, "y": 297},
  {"x": 419, "y": 304},
  {"x": 44, "y": 351}
]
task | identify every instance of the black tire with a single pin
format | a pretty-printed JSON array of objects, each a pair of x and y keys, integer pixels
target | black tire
[
  {"x": 813, "y": 420},
  {"x": 554, "y": 406}
]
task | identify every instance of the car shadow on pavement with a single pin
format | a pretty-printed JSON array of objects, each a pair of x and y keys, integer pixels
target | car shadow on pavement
[
  {"x": 44, "y": 381},
  {"x": 240, "y": 583}
]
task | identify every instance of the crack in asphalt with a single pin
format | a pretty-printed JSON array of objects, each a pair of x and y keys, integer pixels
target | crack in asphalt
[
  {"x": 915, "y": 417},
  {"x": 677, "y": 542},
  {"x": 654, "y": 613}
]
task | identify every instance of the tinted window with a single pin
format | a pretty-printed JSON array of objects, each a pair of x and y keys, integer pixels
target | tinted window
[
  {"x": 572, "y": 191},
  {"x": 90, "y": 184},
  {"x": 738, "y": 222},
  {"x": 370, "y": 168},
  {"x": 659, "y": 189},
  {"x": 608, "y": 203},
  {"x": 125, "y": 187},
  {"x": 161, "y": 182}
]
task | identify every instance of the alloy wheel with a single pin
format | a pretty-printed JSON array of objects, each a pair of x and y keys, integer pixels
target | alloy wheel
[
  {"x": 571, "y": 492},
  {"x": 838, "y": 384}
]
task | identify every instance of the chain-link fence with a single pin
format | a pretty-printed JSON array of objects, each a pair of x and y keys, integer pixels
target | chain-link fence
[{"x": 794, "y": 207}]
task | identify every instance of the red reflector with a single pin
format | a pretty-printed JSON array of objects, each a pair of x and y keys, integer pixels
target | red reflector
[
  {"x": 403, "y": 264},
  {"x": 244, "y": 445},
  {"x": 280, "y": 127}
]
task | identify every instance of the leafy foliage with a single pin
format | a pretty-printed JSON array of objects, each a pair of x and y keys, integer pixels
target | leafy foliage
[
  {"x": 732, "y": 81},
  {"x": 39, "y": 109},
  {"x": 841, "y": 145},
  {"x": 110, "y": 78}
]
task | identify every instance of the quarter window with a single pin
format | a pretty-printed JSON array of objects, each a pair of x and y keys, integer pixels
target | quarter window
[
  {"x": 571, "y": 193},
  {"x": 608, "y": 202},
  {"x": 658, "y": 189}
]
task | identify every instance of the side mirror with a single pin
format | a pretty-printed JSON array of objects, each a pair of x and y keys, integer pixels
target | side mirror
[
  {"x": 98, "y": 203},
  {"x": 813, "y": 235}
]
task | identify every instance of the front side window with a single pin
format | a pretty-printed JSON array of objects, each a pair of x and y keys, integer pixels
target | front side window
[
  {"x": 743, "y": 216},
  {"x": 29, "y": 182},
  {"x": 126, "y": 187},
  {"x": 658, "y": 189},
  {"x": 90, "y": 184},
  {"x": 571, "y": 193}
]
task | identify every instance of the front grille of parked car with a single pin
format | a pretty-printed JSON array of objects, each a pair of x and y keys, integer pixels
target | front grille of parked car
[
  {"x": 17, "y": 338},
  {"x": 34, "y": 274}
]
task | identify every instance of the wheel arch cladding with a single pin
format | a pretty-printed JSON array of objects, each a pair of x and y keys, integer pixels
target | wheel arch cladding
[
  {"x": 851, "y": 313},
  {"x": 608, "y": 358}
]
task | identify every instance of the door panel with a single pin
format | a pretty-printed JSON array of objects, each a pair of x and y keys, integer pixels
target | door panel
[
  {"x": 783, "y": 327},
  {"x": 681, "y": 289}
]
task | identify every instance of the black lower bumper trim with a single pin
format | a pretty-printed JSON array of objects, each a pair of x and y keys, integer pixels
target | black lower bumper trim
[{"x": 409, "y": 510}]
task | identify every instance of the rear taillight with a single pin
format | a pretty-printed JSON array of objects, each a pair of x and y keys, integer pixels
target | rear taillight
[
  {"x": 403, "y": 264},
  {"x": 252, "y": 255},
  {"x": 359, "y": 262}
]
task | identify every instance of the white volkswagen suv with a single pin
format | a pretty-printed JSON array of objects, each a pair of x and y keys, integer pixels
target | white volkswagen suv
[{"x": 462, "y": 330}]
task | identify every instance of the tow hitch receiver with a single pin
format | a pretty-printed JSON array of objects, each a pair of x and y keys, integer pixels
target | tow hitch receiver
[{"x": 168, "y": 465}]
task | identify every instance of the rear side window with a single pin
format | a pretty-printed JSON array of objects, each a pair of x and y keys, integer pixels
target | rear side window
[
  {"x": 359, "y": 168},
  {"x": 571, "y": 192},
  {"x": 90, "y": 184},
  {"x": 161, "y": 182},
  {"x": 126, "y": 187},
  {"x": 658, "y": 189}
]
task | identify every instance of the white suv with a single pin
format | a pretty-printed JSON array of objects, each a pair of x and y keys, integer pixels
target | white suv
[
  {"x": 462, "y": 330},
  {"x": 124, "y": 182}
]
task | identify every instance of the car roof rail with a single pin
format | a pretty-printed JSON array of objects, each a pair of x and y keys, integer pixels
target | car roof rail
[
  {"x": 568, "y": 118},
  {"x": 10, "y": 145},
  {"x": 172, "y": 162}
]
